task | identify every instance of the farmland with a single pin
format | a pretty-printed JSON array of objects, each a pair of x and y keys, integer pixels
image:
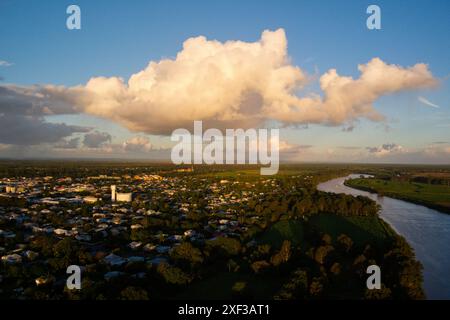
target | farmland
[{"x": 435, "y": 196}]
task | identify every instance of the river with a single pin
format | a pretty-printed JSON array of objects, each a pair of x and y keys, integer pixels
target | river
[{"x": 426, "y": 230}]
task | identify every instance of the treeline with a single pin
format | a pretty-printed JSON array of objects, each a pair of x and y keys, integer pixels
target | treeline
[
  {"x": 309, "y": 202},
  {"x": 338, "y": 271}
]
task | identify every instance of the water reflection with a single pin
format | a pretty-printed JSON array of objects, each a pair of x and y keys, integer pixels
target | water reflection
[{"x": 426, "y": 230}]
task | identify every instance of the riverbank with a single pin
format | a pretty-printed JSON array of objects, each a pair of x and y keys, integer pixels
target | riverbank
[
  {"x": 431, "y": 196},
  {"x": 426, "y": 230}
]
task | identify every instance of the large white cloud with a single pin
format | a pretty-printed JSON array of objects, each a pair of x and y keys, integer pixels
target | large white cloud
[
  {"x": 238, "y": 83},
  {"x": 230, "y": 84}
]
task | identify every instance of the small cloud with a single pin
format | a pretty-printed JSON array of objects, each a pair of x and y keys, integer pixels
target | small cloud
[
  {"x": 385, "y": 149},
  {"x": 4, "y": 63},
  {"x": 427, "y": 102},
  {"x": 137, "y": 144},
  {"x": 68, "y": 143},
  {"x": 348, "y": 128},
  {"x": 96, "y": 139}
]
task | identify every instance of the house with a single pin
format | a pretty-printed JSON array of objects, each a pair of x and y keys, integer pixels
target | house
[
  {"x": 44, "y": 280},
  {"x": 189, "y": 233},
  {"x": 175, "y": 237},
  {"x": 136, "y": 226},
  {"x": 149, "y": 247},
  {"x": 90, "y": 199},
  {"x": 12, "y": 258},
  {"x": 114, "y": 260},
  {"x": 116, "y": 231},
  {"x": 83, "y": 237},
  {"x": 157, "y": 261},
  {"x": 62, "y": 232},
  {"x": 112, "y": 274},
  {"x": 135, "y": 259},
  {"x": 162, "y": 249},
  {"x": 135, "y": 245},
  {"x": 7, "y": 234},
  {"x": 31, "y": 255},
  {"x": 139, "y": 275}
]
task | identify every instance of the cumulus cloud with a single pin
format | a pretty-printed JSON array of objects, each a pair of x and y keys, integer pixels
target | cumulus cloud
[
  {"x": 96, "y": 139},
  {"x": 68, "y": 143},
  {"x": 228, "y": 85},
  {"x": 36, "y": 100},
  {"x": 437, "y": 148},
  {"x": 386, "y": 149},
  {"x": 32, "y": 130},
  {"x": 137, "y": 144},
  {"x": 242, "y": 84},
  {"x": 23, "y": 111}
]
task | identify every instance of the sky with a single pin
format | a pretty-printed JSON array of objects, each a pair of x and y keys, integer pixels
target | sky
[{"x": 136, "y": 71}]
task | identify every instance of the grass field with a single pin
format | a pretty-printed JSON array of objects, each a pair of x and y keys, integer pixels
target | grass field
[
  {"x": 257, "y": 286},
  {"x": 434, "y": 196},
  {"x": 362, "y": 230},
  {"x": 291, "y": 230}
]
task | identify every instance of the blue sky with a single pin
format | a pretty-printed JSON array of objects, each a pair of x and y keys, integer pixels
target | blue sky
[{"x": 119, "y": 38}]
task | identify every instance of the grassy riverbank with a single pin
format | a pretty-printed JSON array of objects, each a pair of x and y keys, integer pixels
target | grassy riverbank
[{"x": 432, "y": 196}]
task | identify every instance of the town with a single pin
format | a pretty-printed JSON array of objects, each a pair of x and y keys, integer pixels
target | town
[
  {"x": 92, "y": 212},
  {"x": 142, "y": 231}
]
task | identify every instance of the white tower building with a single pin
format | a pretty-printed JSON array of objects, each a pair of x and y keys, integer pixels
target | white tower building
[{"x": 113, "y": 193}]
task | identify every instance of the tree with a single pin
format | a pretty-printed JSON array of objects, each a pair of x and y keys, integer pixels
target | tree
[
  {"x": 65, "y": 253},
  {"x": 259, "y": 266},
  {"x": 316, "y": 287},
  {"x": 240, "y": 289},
  {"x": 173, "y": 275},
  {"x": 326, "y": 239},
  {"x": 295, "y": 288},
  {"x": 336, "y": 268},
  {"x": 65, "y": 248},
  {"x": 133, "y": 293},
  {"x": 263, "y": 250},
  {"x": 232, "y": 266},
  {"x": 44, "y": 244},
  {"x": 226, "y": 246},
  {"x": 321, "y": 253},
  {"x": 378, "y": 294},
  {"x": 345, "y": 242},
  {"x": 186, "y": 253},
  {"x": 283, "y": 255}
]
